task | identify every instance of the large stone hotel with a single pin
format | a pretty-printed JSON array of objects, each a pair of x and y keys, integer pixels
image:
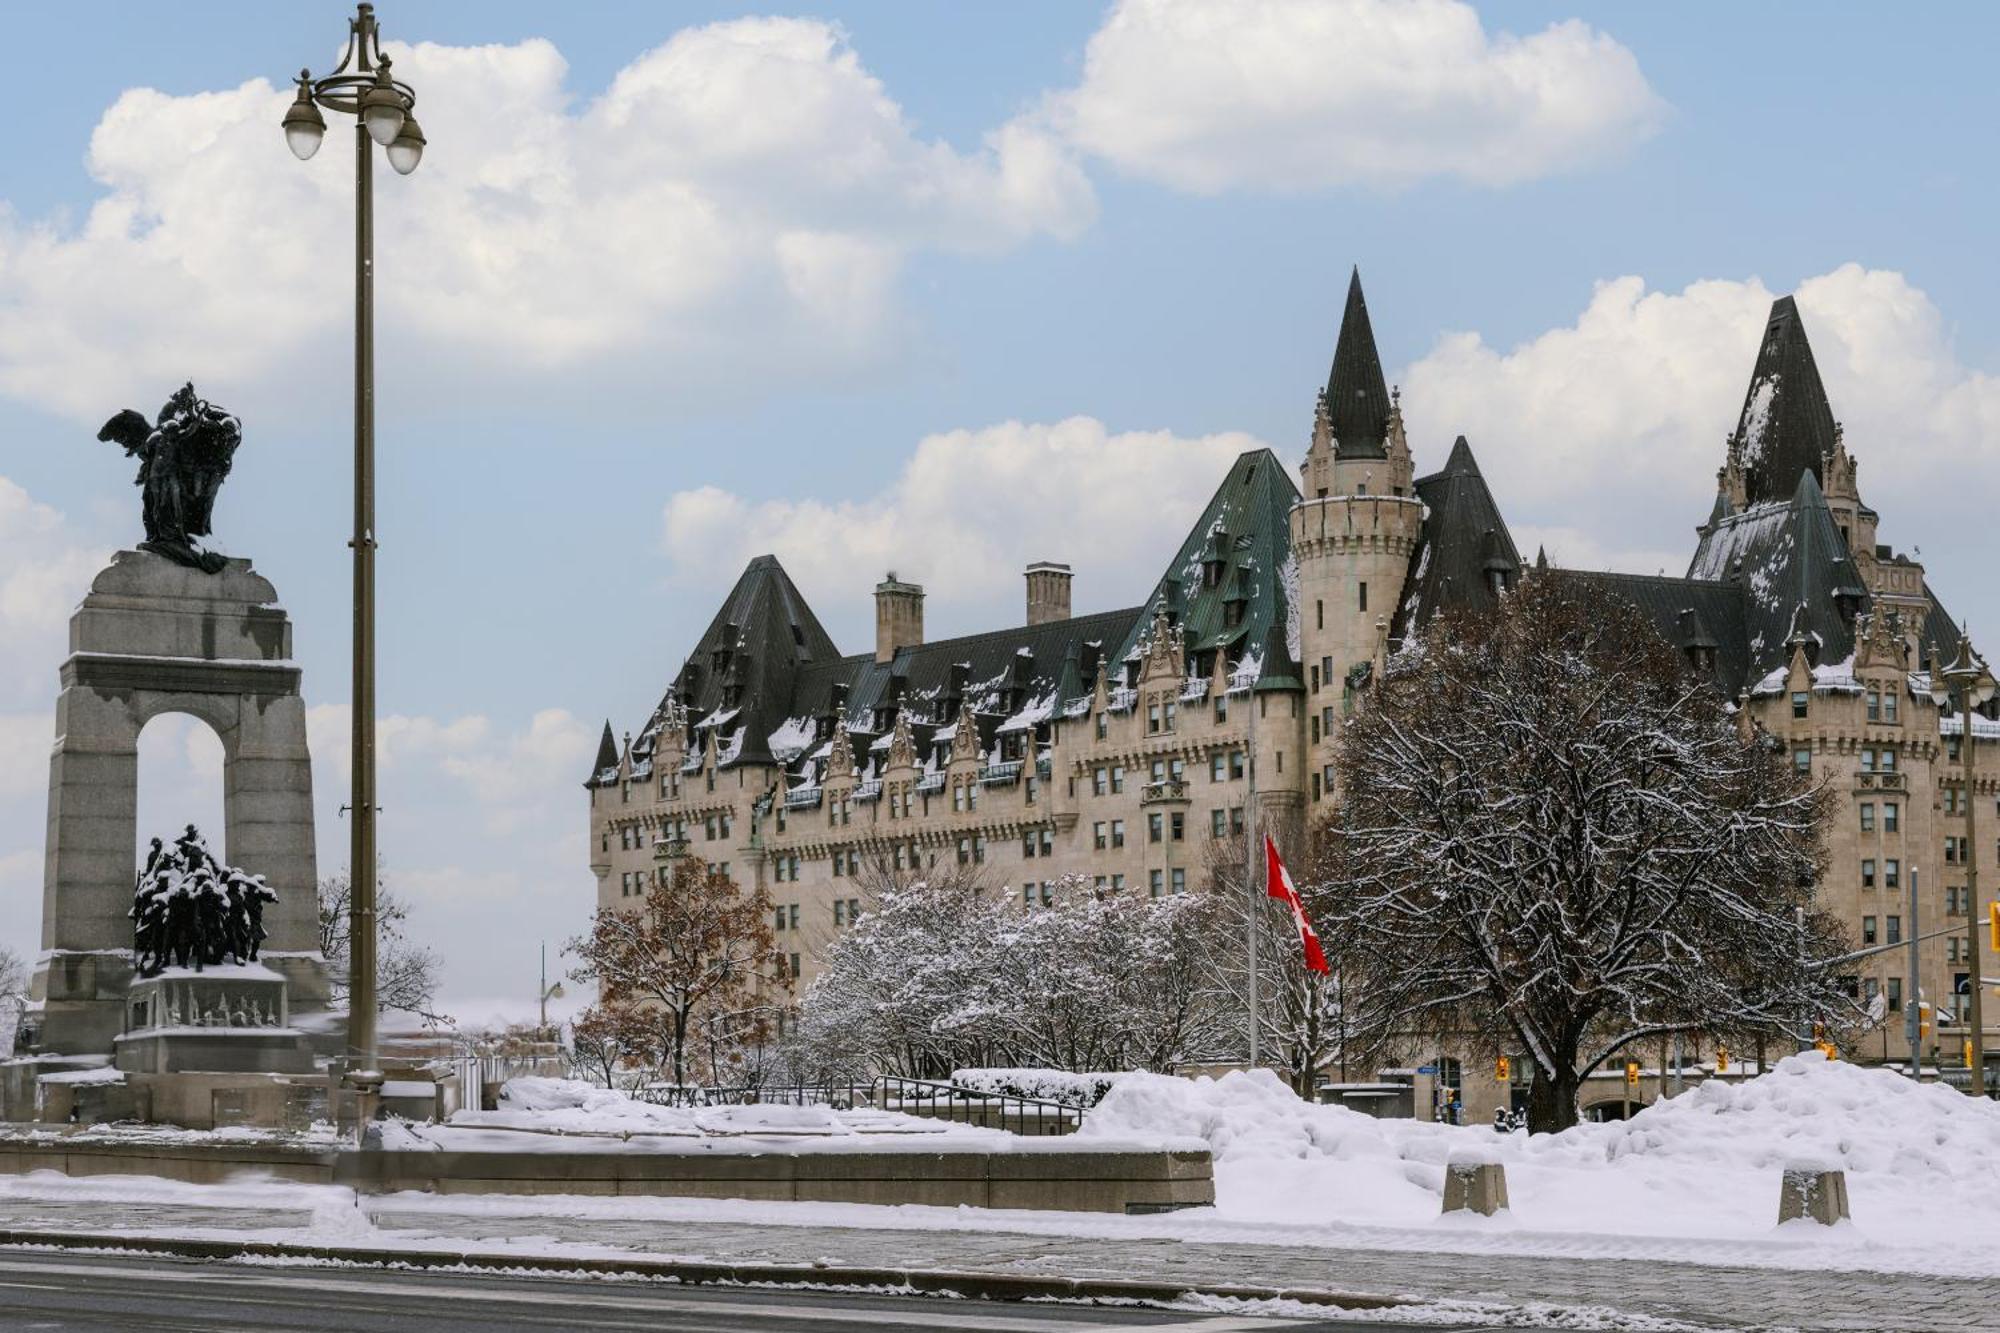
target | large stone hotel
[{"x": 1118, "y": 745}]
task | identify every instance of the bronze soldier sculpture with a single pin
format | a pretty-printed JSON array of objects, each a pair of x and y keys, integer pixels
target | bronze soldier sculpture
[{"x": 183, "y": 459}]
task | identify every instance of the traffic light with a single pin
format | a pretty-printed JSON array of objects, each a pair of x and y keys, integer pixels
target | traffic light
[
  {"x": 1828, "y": 1049},
  {"x": 1722, "y": 1059},
  {"x": 1502, "y": 1070},
  {"x": 1923, "y": 1018},
  {"x": 1993, "y": 924},
  {"x": 1632, "y": 1070},
  {"x": 1965, "y": 1053}
]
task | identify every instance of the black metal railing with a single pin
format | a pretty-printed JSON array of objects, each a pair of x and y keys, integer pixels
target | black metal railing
[{"x": 934, "y": 1100}]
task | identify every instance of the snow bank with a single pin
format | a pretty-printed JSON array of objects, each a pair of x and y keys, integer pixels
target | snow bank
[{"x": 1701, "y": 1166}]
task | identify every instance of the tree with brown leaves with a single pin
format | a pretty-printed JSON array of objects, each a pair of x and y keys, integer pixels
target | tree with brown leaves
[{"x": 697, "y": 957}]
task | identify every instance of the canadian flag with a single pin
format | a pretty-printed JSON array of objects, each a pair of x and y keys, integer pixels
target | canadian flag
[{"x": 1278, "y": 884}]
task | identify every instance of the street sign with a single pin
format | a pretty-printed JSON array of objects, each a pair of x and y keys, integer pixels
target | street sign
[{"x": 1427, "y": 1069}]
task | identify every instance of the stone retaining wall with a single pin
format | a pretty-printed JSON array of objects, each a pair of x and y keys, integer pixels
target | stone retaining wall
[{"x": 1075, "y": 1180}]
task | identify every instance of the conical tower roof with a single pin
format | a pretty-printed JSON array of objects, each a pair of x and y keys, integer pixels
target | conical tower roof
[
  {"x": 1786, "y": 424},
  {"x": 1357, "y": 397}
]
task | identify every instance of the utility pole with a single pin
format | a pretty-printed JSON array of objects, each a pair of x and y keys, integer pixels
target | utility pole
[
  {"x": 1913, "y": 999},
  {"x": 1250, "y": 850}
]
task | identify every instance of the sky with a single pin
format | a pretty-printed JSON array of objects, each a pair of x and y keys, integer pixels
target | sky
[{"x": 938, "y": 289}]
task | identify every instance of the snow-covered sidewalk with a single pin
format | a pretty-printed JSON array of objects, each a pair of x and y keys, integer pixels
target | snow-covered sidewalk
[{"x": 1460, "y": 1275}]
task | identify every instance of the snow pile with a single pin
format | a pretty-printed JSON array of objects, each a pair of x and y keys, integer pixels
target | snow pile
[
  {"x": 1047, "y": 1085},
  {"x": 1701, "y": 1168},
  {"x": 1247, "y": 1116},
  {"x": 1811, "y": 1109},
  {"x": 569, "y": 1105}
]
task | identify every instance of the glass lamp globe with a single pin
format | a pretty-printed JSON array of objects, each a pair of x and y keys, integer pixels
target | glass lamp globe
[
  {"x": 304, "y": 127},
  {"x": 408, "y": 148},
  {"x": 382, "y": 113}
]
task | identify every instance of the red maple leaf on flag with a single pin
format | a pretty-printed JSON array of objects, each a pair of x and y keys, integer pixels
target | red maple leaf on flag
[{"x": 1278, "y": 884}]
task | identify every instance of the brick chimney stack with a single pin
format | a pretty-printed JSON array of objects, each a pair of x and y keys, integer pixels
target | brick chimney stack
[
  {"x": 1048, "y": 592},
  {"x": 899, "y": 616}
]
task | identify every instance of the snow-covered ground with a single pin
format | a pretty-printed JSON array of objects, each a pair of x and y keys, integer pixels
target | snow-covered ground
[
  {"x": 1695, "y": 1176},
  {"x": 1693, "y": 1179}
]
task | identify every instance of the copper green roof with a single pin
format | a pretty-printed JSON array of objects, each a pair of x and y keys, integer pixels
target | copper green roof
[{"x": 1223, "y": 588}]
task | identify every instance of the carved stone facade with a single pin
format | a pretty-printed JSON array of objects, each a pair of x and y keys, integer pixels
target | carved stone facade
[{"x": 1118, "y": 746}]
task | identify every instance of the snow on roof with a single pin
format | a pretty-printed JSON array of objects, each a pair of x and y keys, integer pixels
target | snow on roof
[{"x": 791, "y": 738}]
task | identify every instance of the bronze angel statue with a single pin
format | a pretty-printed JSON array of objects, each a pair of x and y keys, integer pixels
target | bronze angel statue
[{"x": 183, "y": 459}]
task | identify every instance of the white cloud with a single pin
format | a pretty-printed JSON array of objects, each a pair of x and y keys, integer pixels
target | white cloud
[
  {"x": 25, "y": 741},
  {"x": 970, "y": 509},
  {"x": 1292, "y": 95},
  {"x": 45, "y": 567},
  {"x": 1607, "y": 432},
  {"x": 738, "y": 200}
]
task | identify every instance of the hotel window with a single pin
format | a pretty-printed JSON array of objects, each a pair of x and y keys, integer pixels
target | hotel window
[
  {"x": 1364, "y": 597},
  {"x": 1892, "y": 875},
  {"x": 1097, "y": 835},
  {"x": 1887, "y": 760},
  {"x": 839, "y": 911},
  {"x": 1218, "y": 823},
  {"x": 1100, "y": 781},
  {"x": 1047, "y": 839},
  {"x": 1103, "y": 725},
  {"x": 1033, "y": 788},
  {"x": 1180, "y": 880},
  {"x": 1028, "y": 846},
  {"x": 1155, "y": 882},
  {"x": 1889, "y": 699},
  {"x": 1177, "y": 826},
  {"x": 1236, "y": 763},
  {"x": 1159, "y": 771},
  {"x": 1118, "y": 884},
  {"x": 1802, "y": 760},
  {"x": 1117, "y": 778},
  {"x": 792, "y": 966},
  {"x": 1895, "y": 924},
  {"x": 1236, "y": 820},
  {"x": 1867, "y": 761},
  {"x": 1152, "y": 719},
  {"x": 979, "y": 849},
  {"x": 1048, "y": 893},
  {"x": 1868, "y": 874},
  {"x": 1868, "y": 816},
  {"x": 1889, "y": 816},
  {"x": 1154, "y": 827},
  {"x": 1801, "y": 700},
  {"x": 1215, "y": 767},
  {"x": 1950, "y": 850},
  {"x": 965, "y": 851},
  {"x": 1874, "y": 705},
  {"x": 1028, "y": 894},
  {"x": 1867, "y": 930},
  {"x": 1221, "y": 709},
  {"x": 1170, "y": 706},
  {"x": 1314, "y": 738},
  {"x": 1117, "y": 833},
  {"x": 780, "y": 918}
]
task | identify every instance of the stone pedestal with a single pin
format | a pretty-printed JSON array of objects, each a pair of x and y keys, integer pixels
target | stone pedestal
[
  {"x": 1813, "y": 1193},
  {"x": 227, "y": 1019},
  {"x": 1475, "y": 1187},
  {"x": 154, "y": 637}
]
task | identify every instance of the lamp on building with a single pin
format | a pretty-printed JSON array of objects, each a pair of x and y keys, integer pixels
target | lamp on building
[
  {"x": 1965, "y": 684},
  {"x": 361, "y": 86}
]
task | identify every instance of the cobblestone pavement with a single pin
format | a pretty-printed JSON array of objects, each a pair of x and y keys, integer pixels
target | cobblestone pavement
[{"x": 1704, "y": 1296}]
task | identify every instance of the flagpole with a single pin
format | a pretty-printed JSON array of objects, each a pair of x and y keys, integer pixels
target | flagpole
[{"x": 1250, "y": 850}]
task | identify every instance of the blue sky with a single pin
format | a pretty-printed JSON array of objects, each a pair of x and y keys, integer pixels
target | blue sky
[{"x": 938, "y": 287}]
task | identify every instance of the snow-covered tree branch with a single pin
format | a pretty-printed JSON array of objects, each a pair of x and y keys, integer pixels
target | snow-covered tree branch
[{"x": 1555, "y": 840}]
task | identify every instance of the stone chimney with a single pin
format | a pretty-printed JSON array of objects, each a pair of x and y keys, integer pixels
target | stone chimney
[
  {"x": 899, "y": 616},
  {"x": 1048, "y": 592}
]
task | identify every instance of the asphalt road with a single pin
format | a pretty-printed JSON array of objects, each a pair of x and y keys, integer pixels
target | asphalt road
[{"x": 71, "y": 1291}]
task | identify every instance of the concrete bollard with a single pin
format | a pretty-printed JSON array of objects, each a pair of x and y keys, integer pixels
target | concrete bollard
[
  {"x": 1475, "y": 1187},
  {"x": 1815, "y": 1193}
]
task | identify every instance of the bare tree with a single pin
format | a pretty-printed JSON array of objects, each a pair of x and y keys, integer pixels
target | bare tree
[
  {"x": 1558, "y": 842},
  {"x": 698, "y": 957},
  {"x": 1310, "y": 1023},
  {"x": 407, "y": 975},
  {"x": 13, "y": 998}
]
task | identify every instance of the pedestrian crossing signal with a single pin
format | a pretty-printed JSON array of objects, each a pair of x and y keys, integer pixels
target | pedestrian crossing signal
[{"x": 1631, "y": 1071}]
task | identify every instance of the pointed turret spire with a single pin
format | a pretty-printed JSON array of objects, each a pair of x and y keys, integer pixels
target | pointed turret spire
[
  {"x": 607, "y": 752},
  {"x": 1787, "y": 426},
  {"x": 1357, "y": 397}
]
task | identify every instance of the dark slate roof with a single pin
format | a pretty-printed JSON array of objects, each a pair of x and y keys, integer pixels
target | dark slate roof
[
  {"x": 1939, "y": 633},
  {"x": 1232, "y": 554},
  {"x": 607, "y": 754},
  {"x": 1463, "y": 543},
  {"x": 1787, "y": 423},
  {"x": 1357, "y": 398},
  {"x": 1689, "y": 614},
  {"x": 1787, "y": 554},
  {"x": 749, "y": 660}
]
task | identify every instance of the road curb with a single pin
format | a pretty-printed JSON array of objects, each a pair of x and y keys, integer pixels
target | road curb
[{"x": 930, "y": 1282}]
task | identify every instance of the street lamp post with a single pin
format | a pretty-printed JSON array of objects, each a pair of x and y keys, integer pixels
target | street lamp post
[
  {"x": 548, "y": 993},
  {"x": 1965, "y": 683},
  {"x": 361, "y": 87}
]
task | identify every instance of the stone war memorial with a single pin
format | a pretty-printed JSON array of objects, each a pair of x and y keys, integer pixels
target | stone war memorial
[{"x": 169, "y": 988}]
